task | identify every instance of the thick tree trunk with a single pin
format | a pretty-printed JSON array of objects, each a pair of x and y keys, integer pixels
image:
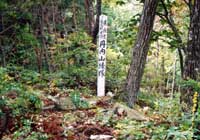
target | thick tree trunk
[
  {"x": 89, "y": 18},
  {"x": 96, "y": 26},
  {"x": 192, "y": 62},
  {"x": 140, "y": 51}
]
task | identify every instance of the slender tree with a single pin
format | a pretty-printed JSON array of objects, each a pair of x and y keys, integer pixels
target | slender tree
[
  {"x": 167, "y": 16},
  {"x": 45, "y": 49},
  {"x": 140, "y": 51}
]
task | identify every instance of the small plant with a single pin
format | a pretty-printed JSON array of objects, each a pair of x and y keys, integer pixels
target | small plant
[
  {"x": 195, "y": 116},
  {"x": 77, "y": 101},
  {"x": 176, "y": 134},
  {"x": 26, "y": 132}
]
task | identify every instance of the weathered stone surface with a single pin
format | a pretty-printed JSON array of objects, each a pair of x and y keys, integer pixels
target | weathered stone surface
[
  {"x": 121, "y": 109},
  {"x": 65, "y": 103},
  {"x": 101, "y": 137},
  {"x": 60, "y": 103}
]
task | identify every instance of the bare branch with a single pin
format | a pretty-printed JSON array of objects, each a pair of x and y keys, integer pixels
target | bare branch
[
  {"x": 187, "y": 2},
  {"x": 165, "y": 8},
  {"x": 172, "y": 25},
  {"x": 7, "y": 29}
]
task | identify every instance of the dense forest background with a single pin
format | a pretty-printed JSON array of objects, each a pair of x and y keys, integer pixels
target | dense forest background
[{"x": 48, "y": 73}]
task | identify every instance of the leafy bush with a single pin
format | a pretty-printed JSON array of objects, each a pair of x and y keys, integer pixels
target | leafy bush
[
  {"x": 75, "y": 61},
  {"x": 26, "y": 132},
  {"x": 191, "y": 85},
  {"x": 17, "y": 97}
]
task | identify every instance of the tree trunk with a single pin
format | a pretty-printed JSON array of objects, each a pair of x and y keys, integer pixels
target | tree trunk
[
  {"x": 74, "y": 14},
  {"x": 192, "y": 62},
  {"x": 96, "y": 26},
  {"x": 140, "y": 51},
  {"x": 89, "y": 18},
  {"x": 45, "y": 49},
  {"x": 3, "y": 58},
  {"x": 2, "y": 49},
  {"x": 174, "y": 78},
  {"x": 39, "y": 59}
]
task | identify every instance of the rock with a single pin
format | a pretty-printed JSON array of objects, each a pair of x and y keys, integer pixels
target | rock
[
  {"x": 120, "y": 111},
  {"x": 130, "y": 138},
  {"x": 123, "y": 110},
  {"x": 12, "y": 94},
  {"x": 101, "y": 137},
  {"x": 65, "y": 103},
  {"x": 80, "y": 114},
  {"x": 49, "y": 107},
  {"x": 93, "y": 101},
  {"x": 60, "y": 103},
  {"x": 110, "y": 94},
  {"x": 145, "y": 109}
]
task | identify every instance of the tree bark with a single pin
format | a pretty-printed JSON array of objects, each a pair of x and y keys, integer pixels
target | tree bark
[
  {"x": 89, "y": 18},
  {"x": 192, "y": 61},
  {"x": 140, "y": 51},
  {"x": 2, "y": 49},
  {"x": 45, "y": 49},
  {"x": 96, "y": 26},
  {"x": 3, "y": 58}
]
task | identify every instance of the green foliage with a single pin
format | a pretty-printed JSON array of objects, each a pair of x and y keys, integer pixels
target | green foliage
[
  {"x": 77, "y": 62},
  {"x": 26, "y": 132},
  {"x": 176, "y": 134},
  {"x": 73, "y": 60},
  {"x": 77, "y": 101},
  {"x": 191, "y": 84},
  {"x": 24, "y": 100},
  {"x": 25, "y": 76}
]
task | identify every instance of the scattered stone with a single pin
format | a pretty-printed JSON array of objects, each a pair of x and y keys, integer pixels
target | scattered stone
[
  {"x": 80, "y": 114},
  {"x": 101, "y": 137},
  {"x": 65, "y": 103},
  {"x": 110, "y": 94},
  {"x": 124, "y": 110},
  {"x": 120, "y": 111}
]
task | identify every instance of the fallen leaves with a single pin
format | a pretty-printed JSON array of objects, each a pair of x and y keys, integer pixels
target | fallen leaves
[{"x": 61, "y": 120}]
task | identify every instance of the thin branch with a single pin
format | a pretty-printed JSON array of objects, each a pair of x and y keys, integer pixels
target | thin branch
[
  {"x": 172, "y": 25},
  {"x": 162, "y": 16},
  {"x": 165, "y": 8},
  {"x": 7, "y": 29},
  {"x": 187, "y": 2}
]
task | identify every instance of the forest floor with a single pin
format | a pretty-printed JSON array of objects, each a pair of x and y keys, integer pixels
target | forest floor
[
  {"x": 85, "y": 117},
  {"x": 37, "y": 108}
]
